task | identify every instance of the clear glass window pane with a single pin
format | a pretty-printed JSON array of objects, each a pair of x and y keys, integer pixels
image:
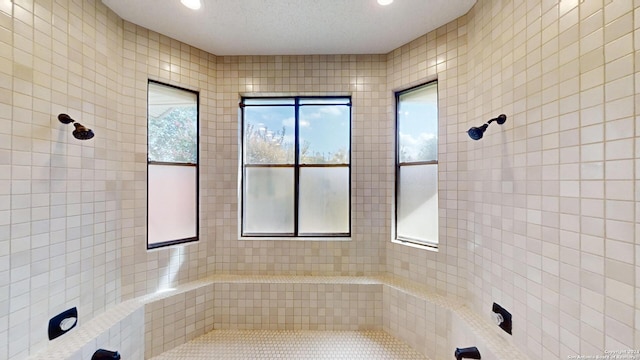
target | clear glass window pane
[
  {"x": 418, "y": 124},
  {"x": 324, "y": 134},
  {"x": 268, "y": 200},
  {"x": 324, "y": 200},
  {"x": 173, "y": 210},
  {"x": 418, "y": 203},
  {"x": 269, "y": 134},
  {"x": 172, "y": 124}
]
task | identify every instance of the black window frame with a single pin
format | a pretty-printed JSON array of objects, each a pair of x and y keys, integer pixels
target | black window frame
[
  {"x": 296, "y": 165},
  {"x": 196, "y": 165},
  {"x": 399, "y": 165}
]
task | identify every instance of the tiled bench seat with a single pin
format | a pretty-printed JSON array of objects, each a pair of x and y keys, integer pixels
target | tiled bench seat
[{"x": 431, "y": 323}]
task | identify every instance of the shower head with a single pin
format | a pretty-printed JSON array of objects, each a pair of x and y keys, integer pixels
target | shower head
[
  {"x": 81, "y": 132},
  {"x": 476, "y": 133}
]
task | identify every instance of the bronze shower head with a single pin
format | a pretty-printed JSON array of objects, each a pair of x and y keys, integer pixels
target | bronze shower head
[{"x": 81, "y": 132}]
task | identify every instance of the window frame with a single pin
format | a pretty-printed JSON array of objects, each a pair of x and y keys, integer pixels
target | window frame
[
  {"x": 165, "y": 163},
  {"x": 296, "y": 167},
  {"x": 424, "y": 244}
]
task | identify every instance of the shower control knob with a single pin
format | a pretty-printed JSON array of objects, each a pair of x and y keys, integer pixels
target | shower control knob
[
  {"x": 502, "y": 318},
  {"x": 497, "y": 318}
]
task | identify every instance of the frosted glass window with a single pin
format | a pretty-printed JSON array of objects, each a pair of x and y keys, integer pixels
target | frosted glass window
[
  {"x": 416, "y": 208},
  {"x": 296, "y": 172},
  {"x": 172, "y": 203},
  {"x": 324, "y": 200},
  {"x": 172, "y": 165},
  {"x": 418, "y": 203},
  {"x": 268, "y": 201}
]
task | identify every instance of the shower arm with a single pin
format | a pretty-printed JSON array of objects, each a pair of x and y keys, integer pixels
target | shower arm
[{"x": 500, "y": 119}]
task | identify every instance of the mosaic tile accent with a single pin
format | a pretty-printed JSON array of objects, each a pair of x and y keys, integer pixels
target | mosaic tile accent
[{"x": 290, "y": 344}]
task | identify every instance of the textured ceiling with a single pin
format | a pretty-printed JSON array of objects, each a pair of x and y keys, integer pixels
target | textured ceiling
[{"x": 292, "y": 27}]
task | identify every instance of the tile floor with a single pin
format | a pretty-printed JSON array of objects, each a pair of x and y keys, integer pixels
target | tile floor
[{"x": 292, "y": 344}]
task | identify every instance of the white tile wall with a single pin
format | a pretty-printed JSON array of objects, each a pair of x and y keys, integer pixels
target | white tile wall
[
  {"x": 566, "y": 78},
  {"x": 361, "y": 76},
  {"x": 59, "y": 197},
  {"x": 545, "y": 211},
  {"x": 540, "y": 215}
]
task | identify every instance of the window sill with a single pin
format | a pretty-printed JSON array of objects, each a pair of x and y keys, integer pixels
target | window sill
[
  {"x": 295, "y": 238},
  {"x": 172, "y": 245},
  {"x": 433, "y": 248}
]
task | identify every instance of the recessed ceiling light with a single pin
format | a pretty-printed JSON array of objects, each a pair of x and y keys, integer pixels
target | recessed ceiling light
[
  {"x": 195, "y": 4},
  {"x": 384, "y": 2}
]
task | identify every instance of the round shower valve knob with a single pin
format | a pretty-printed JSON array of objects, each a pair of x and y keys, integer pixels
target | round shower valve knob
[{"x": 497, "y": 318}]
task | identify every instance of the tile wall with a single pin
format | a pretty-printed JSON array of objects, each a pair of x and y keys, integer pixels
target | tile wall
[
  {"x": 149, "y": 55},
  {"x": 550, "y": 199},
  {"x": 364, "y": 77},
  {"x": 177, "y": 319},
  {"x": 60, "y": 198},
  {"x": 540, "y": 215},
  {"x": 544, "y": 207},
  {"x": 441, "y": 55},
  {"x": 221, "y": 81},
  {"x": 259, "y": 305},
  {"x": 298, "y": 306},
  {"x": 121, "y": 329}
]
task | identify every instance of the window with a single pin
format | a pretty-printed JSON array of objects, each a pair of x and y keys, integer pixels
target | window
[
  {"x": 417, "y": 165},
  {"x": 172, "y": 165},
  {"x": 296, "y": 172}
]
